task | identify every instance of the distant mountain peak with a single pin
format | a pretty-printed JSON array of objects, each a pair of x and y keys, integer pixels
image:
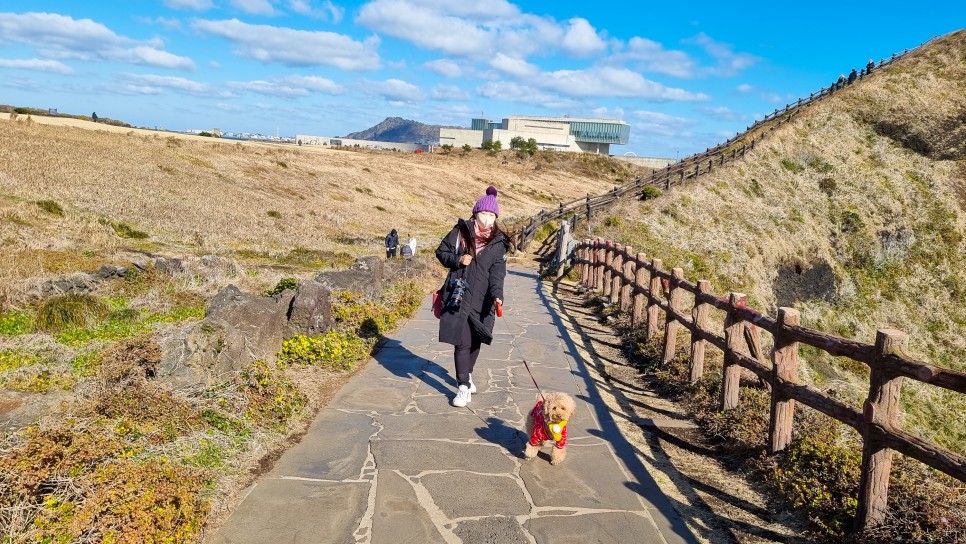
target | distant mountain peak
[{"x": 397, "y": 129}]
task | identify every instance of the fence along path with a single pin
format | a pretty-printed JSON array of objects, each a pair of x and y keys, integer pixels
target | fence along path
[
  {"x": 646, "y": 289},
  {"x": 690, "y": 167}
]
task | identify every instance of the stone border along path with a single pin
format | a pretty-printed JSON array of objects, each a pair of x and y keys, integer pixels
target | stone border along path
[{"x": 390, "y": 461}]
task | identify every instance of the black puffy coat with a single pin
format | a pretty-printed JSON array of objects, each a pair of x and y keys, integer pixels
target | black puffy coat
[
  {"x": 392, "y": 240},
  {"x": 484, "y": 277}
]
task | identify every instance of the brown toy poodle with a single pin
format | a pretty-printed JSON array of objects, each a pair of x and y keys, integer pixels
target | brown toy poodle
[{"x": 547, "y": 421}]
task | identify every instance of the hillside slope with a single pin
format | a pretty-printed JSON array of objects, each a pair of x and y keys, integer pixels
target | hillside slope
[
  {"x": 854, "y": 213},
  {"x": 397, "y": 129}
]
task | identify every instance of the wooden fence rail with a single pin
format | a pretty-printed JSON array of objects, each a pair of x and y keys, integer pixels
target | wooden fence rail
[
  {"x": 688, "y": 168},
  {"x": 646, "y": 289}
]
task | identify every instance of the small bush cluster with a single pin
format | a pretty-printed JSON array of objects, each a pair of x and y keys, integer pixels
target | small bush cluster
[
  {"x": 14, "y": 322},
  {"x": 333, "y": 349},
  {"x": 283, "y": 284},
  {"x": 51, "y": 207},
  {"x": 71, "y": 311},
  {"x": 272, "y": 398}
]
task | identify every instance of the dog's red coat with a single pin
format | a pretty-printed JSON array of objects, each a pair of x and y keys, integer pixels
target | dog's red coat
[{"x": 540, "y": 432}]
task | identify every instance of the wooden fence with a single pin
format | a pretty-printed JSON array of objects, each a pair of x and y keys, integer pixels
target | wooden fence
[
  {"x": 686, "y": 169},
  {"x": 645, "y": 289}
]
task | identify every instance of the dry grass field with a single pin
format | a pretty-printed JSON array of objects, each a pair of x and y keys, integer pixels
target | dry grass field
[{"x": 197, "y": 195}]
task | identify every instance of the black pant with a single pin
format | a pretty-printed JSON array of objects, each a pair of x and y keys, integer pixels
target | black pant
[
  {"x": 390, "y": 252},
  {"x": 466, "y": 353}
]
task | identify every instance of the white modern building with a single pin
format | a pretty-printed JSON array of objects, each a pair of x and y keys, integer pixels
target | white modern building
[{"x": 556, "y": 133}]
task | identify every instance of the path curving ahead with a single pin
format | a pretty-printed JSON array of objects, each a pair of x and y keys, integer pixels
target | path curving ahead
[{"x": 389, "y": 461}]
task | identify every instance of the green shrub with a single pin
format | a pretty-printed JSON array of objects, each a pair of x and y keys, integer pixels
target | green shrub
[
  {"x": 827, "y": 186},
  {"x": 649, "y": 192},
  {"x": 51, "y": 207},
  {"x": 71, "y": 311},
  {"x": 792, "y": 166},
  {"x": 333, "y": 349},
  {"x": 467, "y": 149},
  {"x": 126, "y": 231},
  {"x": 274, "y": 214},
  {"x": 283, "y": 285},
  {"x": 14, "y": 322},
  {"x": 613, "y": 221},
  {"x": 272, "y": 398}
]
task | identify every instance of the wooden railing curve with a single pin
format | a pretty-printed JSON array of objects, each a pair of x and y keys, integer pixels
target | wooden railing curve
[
  {"x": 689, "y": 167},
  {"x": 637, "y": 284}
]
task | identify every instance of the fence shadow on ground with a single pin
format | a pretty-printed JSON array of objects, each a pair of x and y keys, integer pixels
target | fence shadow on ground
[{"x": 706, "y": 523}]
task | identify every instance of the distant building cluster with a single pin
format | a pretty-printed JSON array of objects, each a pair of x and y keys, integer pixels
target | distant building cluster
[
  {"x": 551, "y": 133},
  {"x": 240, "y": 135},
  {"x": 334, "y": 141}
]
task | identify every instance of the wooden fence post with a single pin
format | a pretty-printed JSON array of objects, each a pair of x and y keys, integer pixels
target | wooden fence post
[
  {"x": 734, "y": 336},
  {"x": 588, "y": 207},
  {"x": 615, "y": 277},
  {"x": 640, "y": 282},
  {"x": 880, "y": 410},
  {"x": 628, "y": 279},
  {"x": 599, "y": 273},
  {"x": 700, "y": 315},
  {"x": 654, "y": 291},
  {"x": 671, "y": 325},
  {"x": 784, "y": 356},
  {"x": 608, "y": 262},
  {"x": 582, "y": 267}
]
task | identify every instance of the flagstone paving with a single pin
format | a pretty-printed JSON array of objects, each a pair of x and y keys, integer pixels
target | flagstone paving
[{"x": 389, "y": 461}]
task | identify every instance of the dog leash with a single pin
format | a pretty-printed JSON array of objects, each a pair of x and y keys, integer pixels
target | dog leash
[{"x": 499, "y": 313}]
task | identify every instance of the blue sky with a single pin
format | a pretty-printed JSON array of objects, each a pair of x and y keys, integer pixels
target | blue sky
[{"x": 684, "y": 75}]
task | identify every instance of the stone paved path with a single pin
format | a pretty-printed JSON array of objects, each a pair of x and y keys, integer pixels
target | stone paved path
[{"x": 389, "y": 461}]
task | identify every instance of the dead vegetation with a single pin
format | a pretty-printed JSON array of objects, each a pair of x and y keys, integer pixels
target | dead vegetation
[{"x": 853, "y": 214}]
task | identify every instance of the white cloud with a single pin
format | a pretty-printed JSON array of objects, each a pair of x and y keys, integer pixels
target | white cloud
[
  {"x": 444, "y": 67},
  {"x": 63, "y": 37},
  {"x": 327, "y": 11},
  {"x": 524, "y": 94},
  {"x": 166, "y": 23},
  {"x": 660, "y": 124},
  {"x": 425, "y": 28},
  {"x": 513, "y": 66},
  {"x": 744, "y": 88},
  {"x": 729, "y": 63},
  {"x": 652, "y": 57},
  {"x": 581, "y": 38},
  {"x": 472, "y": 29},
  {"x": 449, "y": 92},
  {"x": 289, "y": 87},
  {"x": 39, "y": 65},
  {"x": 254, "y": 7},
  {"x": 294, "y": 47},
  {"x": 605, "y": 81},
  {"x": 721, "y": 113},
  {"x": 395, "y": 89},
  {"x": 196, "y": 5},
  {"x": 152, "y": 81}
]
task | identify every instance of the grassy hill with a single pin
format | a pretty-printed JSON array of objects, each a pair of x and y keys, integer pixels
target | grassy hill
[{"x": 854, "y": 213}]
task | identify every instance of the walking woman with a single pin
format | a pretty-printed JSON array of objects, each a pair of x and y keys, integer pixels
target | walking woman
[{"x": 475, "y": 254}]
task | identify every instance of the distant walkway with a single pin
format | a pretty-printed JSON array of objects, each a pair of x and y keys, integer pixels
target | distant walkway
[{"x": 389, "y": 461}]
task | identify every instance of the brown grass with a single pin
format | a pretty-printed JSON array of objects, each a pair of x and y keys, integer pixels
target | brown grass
[{"x": 882, "y": 207}]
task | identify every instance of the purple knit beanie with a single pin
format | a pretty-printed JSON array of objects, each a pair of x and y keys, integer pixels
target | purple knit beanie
[{"x": 487, "y": 202}]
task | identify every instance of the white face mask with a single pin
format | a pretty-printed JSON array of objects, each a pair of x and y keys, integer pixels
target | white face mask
[{"x": 485, "y": 219}]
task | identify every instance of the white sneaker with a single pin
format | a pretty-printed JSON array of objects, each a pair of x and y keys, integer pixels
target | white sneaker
[
  {"x": 462, "y": 397},
  {"x": 472, "y": 385}
]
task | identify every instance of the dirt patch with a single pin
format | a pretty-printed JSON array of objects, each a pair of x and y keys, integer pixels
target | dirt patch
[{"x": 799, "y": 281}]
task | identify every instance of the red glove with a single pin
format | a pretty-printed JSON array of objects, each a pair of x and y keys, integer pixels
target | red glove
[{"x": 499, "y": 309}]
